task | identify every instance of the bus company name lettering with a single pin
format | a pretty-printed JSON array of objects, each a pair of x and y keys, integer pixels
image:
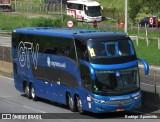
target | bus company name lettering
[
  {"x": 26, "y": 50},
  {"x": 55, "y": 64}
]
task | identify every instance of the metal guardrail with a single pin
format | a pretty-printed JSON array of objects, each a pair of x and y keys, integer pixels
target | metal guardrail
[
  {"x": 38, "y": 7},
  {"x": 5, "y": 32},
  {"x": 147, "y": 39}
]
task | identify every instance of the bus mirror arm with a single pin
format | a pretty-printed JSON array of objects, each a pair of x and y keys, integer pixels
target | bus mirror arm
[
  {"x": 146, "y": 66},
  {"x": 92, "y": 72},
  {"x": 101, "y": 7}
]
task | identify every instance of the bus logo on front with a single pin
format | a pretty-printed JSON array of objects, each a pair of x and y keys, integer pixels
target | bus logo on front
[{"x": 118, "y": 74}]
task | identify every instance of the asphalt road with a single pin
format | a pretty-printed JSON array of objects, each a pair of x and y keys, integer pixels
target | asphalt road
[
  {"x": 151, "y": 82},
  {"x": 12, "y": 101}
]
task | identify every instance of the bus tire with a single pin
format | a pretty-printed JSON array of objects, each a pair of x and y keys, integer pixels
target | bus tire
[
  {"x": 71, "y": 103},
  {"x": 33, "y": 95},
  {"x": 79, "y": 106},
  {"x": 27, "y": 91}
]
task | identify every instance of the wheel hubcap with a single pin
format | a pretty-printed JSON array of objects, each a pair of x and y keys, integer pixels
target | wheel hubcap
[
  {"x": 79, "y": 105},
  {"x": 70, "y": 102},
  {"x": 27, "y": 90},
  {"x": 33, "y": 93}
]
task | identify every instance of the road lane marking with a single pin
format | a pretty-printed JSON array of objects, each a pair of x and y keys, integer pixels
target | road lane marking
[
  {"x": 1, "y": 76},
  {"x": 34, "y": 109},
  {"x": 6, "y": 77},
  {"x": 148, "y": 84}
]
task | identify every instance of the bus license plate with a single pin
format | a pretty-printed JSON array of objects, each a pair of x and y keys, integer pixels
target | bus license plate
[{"x": 119, "y": 109}]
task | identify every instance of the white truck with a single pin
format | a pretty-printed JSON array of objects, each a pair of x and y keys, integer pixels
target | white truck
[{"x": 5, "y": 5}]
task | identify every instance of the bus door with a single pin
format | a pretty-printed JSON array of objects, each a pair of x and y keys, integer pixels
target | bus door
[{"x": 80, "y": 12}]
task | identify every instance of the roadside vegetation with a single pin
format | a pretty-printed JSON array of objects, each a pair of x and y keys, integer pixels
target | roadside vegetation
[
  {"x": 150, "y": 53},
  {"x": 11, "y": 22}
]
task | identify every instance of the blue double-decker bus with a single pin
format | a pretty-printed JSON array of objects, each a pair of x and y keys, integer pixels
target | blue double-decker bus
[{"x": 87, "y": 70}]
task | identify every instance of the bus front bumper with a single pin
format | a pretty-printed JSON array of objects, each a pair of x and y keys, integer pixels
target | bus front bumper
[{"x": 104, "y": 107}]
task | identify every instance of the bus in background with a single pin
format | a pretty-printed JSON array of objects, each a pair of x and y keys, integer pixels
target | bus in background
[
  {"x": 87, "y": 70},
  {"x": 84, "y": 10}
]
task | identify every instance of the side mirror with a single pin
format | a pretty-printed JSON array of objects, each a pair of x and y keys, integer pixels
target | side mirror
[
  {"x": 102, "y": 7},
  {"x": 92, "y": 72},
  {"x": 146, "y": 66}
]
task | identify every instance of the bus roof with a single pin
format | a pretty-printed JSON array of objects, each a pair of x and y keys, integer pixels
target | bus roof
[
  {"x": 84, "y": 2},
  {"x": 82, "y": 34}
]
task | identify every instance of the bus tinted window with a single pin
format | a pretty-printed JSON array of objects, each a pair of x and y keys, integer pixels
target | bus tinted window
[
  {"x": 75, "y": 6},
  {"x": 110, "y": 49},
  {"x": 93, "y": 11},
  {"x": 81, "y": 48},
  {"x": 48, "y": 45}
]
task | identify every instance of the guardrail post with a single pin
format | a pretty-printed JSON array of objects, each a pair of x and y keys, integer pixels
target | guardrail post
[
  {"x": 147, "y": 37},
  {"x": 158, "y": 43},
  {"x": 137, "y": 40},
  {"x": 138, "y": 28},
  {"x": 3, "y": 53},
  {"x": 117, "y": 25},
  {"x": 155, "y": 81}
]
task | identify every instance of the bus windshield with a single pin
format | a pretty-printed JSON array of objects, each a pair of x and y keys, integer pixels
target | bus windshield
[
  {"x": 116, "y": 82},
  {"x": 93, "y": 11},
  {"x": 110, "y": 49}
]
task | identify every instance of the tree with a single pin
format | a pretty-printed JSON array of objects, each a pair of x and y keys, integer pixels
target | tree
[
  {"x": 135, "y": 7},
  {"x": 151, "y": 6},
  {"x": 144, "y": 6}
]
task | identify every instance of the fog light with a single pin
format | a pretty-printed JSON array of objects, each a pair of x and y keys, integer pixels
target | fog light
[{"x": 99, "y": 108}]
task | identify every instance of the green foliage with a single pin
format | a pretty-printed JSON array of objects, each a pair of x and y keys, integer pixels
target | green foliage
[
  {"x": 63, "y": 23},
  {"x": 48, "y": 22},
  {"x": 149, "y": 53},
  {"x": 42, "y": 22},
  {"x": 143, "y": 6},
  {"x": 134, "y": 8},
  {"x": 118, "y": 4},
  {"x": 11, "y": 22},
  {"x": 151, "y": 6}
]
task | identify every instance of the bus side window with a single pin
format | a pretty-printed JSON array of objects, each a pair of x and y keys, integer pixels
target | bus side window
[
  {"x": 81, "y": 49},
  {"x": 55, "y": 50}
]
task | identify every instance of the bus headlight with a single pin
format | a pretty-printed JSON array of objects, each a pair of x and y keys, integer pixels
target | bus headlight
[
  {"x": 89, "y": 98},
  {"x": 137, "y": 97}
]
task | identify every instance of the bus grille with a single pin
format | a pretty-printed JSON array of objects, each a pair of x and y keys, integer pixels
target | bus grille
[{"x": 119, "y": 101}]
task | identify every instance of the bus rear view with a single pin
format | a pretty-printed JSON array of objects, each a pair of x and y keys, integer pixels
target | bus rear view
[{"x": 87, "y": 70}]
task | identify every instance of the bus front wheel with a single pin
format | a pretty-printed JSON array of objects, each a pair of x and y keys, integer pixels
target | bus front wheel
[
  {"x": 79, "y": 106},
  {"x": 71, "y": 103}
]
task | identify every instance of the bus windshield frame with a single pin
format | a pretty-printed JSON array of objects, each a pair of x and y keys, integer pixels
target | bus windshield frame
[{"x": 121, "y": 50}]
